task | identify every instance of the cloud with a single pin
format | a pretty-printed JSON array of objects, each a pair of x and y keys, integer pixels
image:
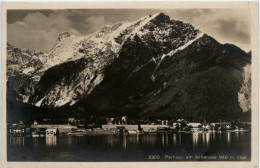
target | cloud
[
  {"x": 95, "y": 21},
  {"x": 231, "y": 27},
  {"x": 225, "y": 25},
  {"x": 38, "y": 31},
  {"x": 88, "y": 21},
  {"x": 18, "y": 15}
]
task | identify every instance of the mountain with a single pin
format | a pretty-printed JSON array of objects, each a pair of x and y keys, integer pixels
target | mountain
[
  {"x": 17, "y": 58},
  {"x": 154, "y": 67}
]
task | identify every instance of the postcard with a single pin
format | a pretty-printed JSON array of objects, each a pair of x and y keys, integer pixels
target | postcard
[{"x": 127, "y": 84}]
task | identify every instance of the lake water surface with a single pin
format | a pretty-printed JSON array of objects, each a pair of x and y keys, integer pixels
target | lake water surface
[{"x": 226, "y": 146}]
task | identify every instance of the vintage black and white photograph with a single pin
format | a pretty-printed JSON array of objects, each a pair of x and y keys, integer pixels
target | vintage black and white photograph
[{"x": 128, "y": 85}]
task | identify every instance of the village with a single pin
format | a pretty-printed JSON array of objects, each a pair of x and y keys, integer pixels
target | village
[{"x": 72, "y": 126}]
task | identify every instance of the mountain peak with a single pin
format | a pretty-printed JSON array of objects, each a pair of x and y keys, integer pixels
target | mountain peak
[
  {"x": 161, "y": 17},
  {"x": 174, "y": 63}
]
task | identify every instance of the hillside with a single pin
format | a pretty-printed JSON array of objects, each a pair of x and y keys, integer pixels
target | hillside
[{"x": 155, "y": 67}]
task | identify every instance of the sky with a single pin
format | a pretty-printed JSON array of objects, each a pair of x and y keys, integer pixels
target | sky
[{"x": 39, "y": 29}]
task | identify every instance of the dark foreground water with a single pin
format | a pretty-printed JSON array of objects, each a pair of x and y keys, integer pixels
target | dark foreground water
[{"x": 172, "y": 147}]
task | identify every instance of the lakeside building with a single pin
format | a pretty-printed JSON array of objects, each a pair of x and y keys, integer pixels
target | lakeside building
[
  {"x": 225, "y": 125},
  {"x": 194, "y": 126},
  {"x": 17, "y": 129},
  {"x": 52, "y": 132}
]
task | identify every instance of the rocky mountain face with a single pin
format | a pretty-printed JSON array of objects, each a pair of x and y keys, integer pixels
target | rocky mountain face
[
  {"x": 153, "y": 67},
  {"x": 21, "y": 59}
]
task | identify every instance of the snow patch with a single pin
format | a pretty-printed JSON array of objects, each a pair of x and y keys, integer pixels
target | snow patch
[
  {"x": 38, "y": 104},
  {"x": 185, "y": 45},
  {"x": 62, "y": 102},
  {"x": 27, "y": 70},
  {"x": 63, "y": 51},
  {"x": 98, "y": 79},
  {"x": 171, "y": 53}
]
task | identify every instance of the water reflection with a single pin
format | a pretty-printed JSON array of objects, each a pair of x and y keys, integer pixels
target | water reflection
[
  {"x": 17, "y": 141},
  {"x": 51, "y": 141},
  {"x": 220, "y": 134},
  {"x": 174, "y": 138},
  {"x": 70, "y": 141},
  {"x": 35, "y": 142},
  {"x": 124, "y": 141},
  {"x": 137, "y": 138},
  {"x": 203, "y": 139},
  {"x": 133, "y": 139},
  {"x": 110, "y": 140},
  {"x": 167, "y": 140},
  {"x": 214, "y": 137},
  {"x": 237, "y": 136},
  {"x": 179, "y": 140},
  {"x": 151, "y": 140},
  {"x": 162, "y": 140},
  {"x": 207, "y": 138},
  {"x": 114, "y": 140},
  {"x": 92, "y": 147},
  {"x": 228, "y": 138},
  {"x": 195, "y": 138}
]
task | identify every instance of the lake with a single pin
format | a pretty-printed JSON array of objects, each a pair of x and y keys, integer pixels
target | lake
[{"x": 225, "y": 146}]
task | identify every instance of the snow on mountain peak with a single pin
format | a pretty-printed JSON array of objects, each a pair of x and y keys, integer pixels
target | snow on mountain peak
[
  {"x": 65, "y": 48},
  {"x": 101, "y": 47}
]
